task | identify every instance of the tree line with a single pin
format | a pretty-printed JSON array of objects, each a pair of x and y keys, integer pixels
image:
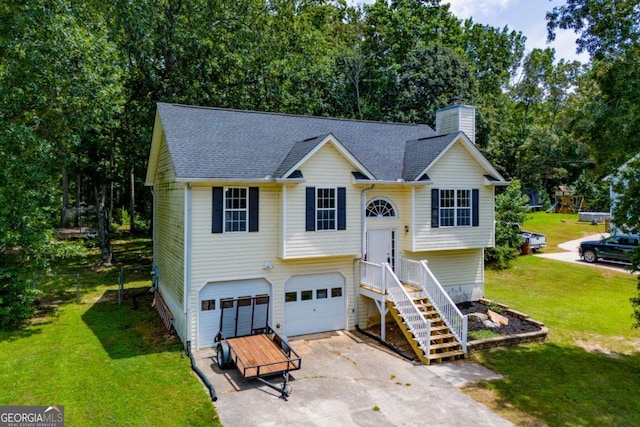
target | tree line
[{"x": 79, "y": 82}]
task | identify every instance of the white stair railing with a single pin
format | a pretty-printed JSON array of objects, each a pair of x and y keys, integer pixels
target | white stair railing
[
  {"x": 418, "y": 274},
  {"x": 371, "y": 276},
  {"x": 416, "y": 322}
]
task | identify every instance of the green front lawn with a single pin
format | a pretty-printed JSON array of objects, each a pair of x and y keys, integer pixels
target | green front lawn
[
  {"x": 560, "y": 228},
  {"x": 109, "y": 365},
  {"x": 588, "y": 372}
]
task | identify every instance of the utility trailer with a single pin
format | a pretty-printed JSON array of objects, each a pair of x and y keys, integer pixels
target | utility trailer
[{"x": 246, "y": 341}]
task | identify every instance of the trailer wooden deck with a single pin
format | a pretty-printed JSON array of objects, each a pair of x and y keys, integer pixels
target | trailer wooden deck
[{"x": 261, "y": 355}]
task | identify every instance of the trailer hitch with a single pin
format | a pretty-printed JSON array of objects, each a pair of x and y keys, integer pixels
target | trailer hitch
[{"x": 285, "y": 390}]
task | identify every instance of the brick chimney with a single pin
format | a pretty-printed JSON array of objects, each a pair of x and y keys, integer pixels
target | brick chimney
[{"x": 456, "y": 118}]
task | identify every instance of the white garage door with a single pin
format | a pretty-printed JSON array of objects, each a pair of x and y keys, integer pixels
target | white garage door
[
  {"x": 209, "y": 304},
  {"x": 314, "y": 303}
]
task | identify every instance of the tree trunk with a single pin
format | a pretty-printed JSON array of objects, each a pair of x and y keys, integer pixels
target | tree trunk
[
  {"x": 64, "y": 212},
  {"x": 132, "y": 202},
  {"x": 76, "y": 220},
  {"x": 103, "y": 225}
]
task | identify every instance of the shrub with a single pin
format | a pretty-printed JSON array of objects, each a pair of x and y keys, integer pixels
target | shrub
[
  {"x": 511, "y": 209},
  {"x": 16, "y": 300}
]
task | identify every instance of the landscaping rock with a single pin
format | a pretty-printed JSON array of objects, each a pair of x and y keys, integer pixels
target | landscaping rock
[
  {"x": 497, "y": 318},
  {"x": 490, "y": 324},
  {"x": 477, "y": 317}
]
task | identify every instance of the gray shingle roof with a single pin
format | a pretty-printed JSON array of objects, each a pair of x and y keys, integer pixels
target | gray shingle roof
[
  {"x": 210, "y": 143},
  {"x": 419, "y": 153}
]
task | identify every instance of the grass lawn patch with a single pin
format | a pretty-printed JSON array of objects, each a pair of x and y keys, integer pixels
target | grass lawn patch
[
  {"x": 108, "y": 364},
  {"x": 588, "y": 373},
  {"x": 559, "y": 228}
]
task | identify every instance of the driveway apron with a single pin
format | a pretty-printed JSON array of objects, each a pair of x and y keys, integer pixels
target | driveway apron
[{"x": 345, "y": 381}]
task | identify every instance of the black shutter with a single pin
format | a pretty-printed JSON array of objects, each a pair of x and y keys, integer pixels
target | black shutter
[
  {"x": 475, "y": 207},
  {"x": 254, "y": 202},
  {"x": 311, "y": 209},
  {"x": 342, "y": 208},
  {"x": 435, "y": 208},
  {"x": 218, "y": 210}
]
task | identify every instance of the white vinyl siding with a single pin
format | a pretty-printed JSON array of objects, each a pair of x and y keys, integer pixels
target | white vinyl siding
[
  {"x": 457, "y": 169},
  {"x": 169, "y": 229},
  {"x": 242, "y": 256},
  {"x": 327, "y": 168},
  {"x": 460, "y": 272},
  {"x": 458, "y": 118}
]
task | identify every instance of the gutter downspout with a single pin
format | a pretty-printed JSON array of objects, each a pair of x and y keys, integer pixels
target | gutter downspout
[
  {"x": 187, "y": 262},
  {"x": 203, "y": 377},
  {"x": 154, "y": 262},
  {"x": 363, "y": 233}
]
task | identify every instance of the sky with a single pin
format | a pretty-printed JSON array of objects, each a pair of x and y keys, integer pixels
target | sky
[{"x": 527, "y": 16}]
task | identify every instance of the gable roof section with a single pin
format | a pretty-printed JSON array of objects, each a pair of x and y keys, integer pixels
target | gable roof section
[
  {"x": 420, "y": 153},
  {"x": 302, "y": 150},
  {"x": 215, "y": 144},
  {"x": 426, "y": 152}
]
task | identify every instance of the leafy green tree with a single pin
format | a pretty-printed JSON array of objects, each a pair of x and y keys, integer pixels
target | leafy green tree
[
  {"x": 428, "y": 80},
  {"x": 59, "y": 85},
  {"x": 609, "y": 31},
  {"x": 626, "y": 213},
  {"x": 511, "y": 210}
]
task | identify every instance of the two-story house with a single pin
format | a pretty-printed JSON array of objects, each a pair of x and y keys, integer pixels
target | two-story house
[{"x": 300, "y": 208}]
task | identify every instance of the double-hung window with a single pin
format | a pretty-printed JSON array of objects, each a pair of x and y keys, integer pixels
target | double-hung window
[
  {"x": 326, "y": 208},
  {"x": 454, "y": 207},
  {"x": 235, "y": 209}
]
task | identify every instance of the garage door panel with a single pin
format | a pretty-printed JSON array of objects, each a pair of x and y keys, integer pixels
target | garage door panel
[
  {"x": 314, "y": 303},
  {"x": 212, "y": 296}
]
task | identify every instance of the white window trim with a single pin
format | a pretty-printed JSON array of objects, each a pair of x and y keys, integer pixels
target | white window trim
[
  {"x": 334, "y": 209},
  {"x": 455, "y": 208},
  {"x": 245, "y": 210}
]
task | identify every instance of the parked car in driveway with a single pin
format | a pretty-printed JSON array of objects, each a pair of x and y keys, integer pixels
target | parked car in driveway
[{"x": 616, "y": 248}]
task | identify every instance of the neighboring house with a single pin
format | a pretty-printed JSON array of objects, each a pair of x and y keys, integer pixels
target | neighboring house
[
  {"x": 613, "y": 196},
  {"x": 251, "y": 203}
]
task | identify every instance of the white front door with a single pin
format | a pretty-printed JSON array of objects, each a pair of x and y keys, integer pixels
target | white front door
[{"x": 381, "y": 246}]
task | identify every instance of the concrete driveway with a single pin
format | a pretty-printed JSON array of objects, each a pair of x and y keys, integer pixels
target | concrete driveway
[
  {"x": 571, "y": 254},
  {"x": 346, "y": 381}
]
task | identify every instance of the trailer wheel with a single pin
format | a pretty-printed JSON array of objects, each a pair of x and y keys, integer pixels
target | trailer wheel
[{"x": 223, "y": 356}]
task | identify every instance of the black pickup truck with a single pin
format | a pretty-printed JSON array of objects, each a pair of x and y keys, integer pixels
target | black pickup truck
[{"x": 616, "y": 248}]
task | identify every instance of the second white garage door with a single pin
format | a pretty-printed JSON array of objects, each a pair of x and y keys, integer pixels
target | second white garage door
[{"x": 314, "y": 303}]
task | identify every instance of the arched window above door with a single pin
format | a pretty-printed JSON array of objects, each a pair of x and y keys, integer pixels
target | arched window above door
[{"x": 380, "y": 208}]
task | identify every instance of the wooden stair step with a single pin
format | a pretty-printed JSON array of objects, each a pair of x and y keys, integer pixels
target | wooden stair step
[
  {"x": 441, "y": 337},
  {"x": 437, "y": 356},
  {"x": 423, "y": 304},
  {"x": 440, "y": 346}
]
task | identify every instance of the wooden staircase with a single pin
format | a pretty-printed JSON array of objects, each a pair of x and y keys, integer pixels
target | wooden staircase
[{"x": 443, "y": 344}]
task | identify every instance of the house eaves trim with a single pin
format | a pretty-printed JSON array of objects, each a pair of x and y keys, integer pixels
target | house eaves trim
[
  {"x": 398, "y": 182},
  {"x": 335, "y": 142},
  {"x": 156, "y": 142},
  {"x": 265, "y": 180}
]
